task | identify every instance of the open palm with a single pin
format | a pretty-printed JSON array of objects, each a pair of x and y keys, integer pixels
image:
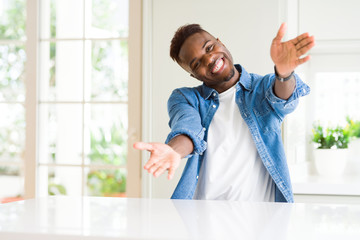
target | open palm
[{"x": 287, "y": 55}]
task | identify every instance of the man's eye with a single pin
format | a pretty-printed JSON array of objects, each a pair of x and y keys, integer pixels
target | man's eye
[
  {"x": 209, "y": 48},
  {"x": 196, "y": 65}
]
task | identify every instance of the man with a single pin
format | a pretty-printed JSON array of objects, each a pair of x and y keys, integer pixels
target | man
[{"x": 229, "y": 127}]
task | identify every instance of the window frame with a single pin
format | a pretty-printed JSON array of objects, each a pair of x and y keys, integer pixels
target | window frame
[
  {"x": 304, "y": 177},
  {"x": 31, "y": 163}
]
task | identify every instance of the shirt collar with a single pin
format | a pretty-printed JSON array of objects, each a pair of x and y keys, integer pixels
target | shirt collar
[{"x": 245, "y": 81}]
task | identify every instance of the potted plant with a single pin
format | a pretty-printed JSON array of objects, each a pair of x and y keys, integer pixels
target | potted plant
[
  {"x": 331, "y": 149},
  {"x": 354, "y": 145},
  {"x": 354, "y": 131},
  {"x": 354, "y": 128}
]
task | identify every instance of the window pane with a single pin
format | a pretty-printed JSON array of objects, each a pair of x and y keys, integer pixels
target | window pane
[
  {"x": 12, "y": 132},
  {"x": 337, "y": 96},
  {"x": 107, "y": 183},
  {"x": 61, "y": 74},
  {"x": 59, "y": 181},
  {"x": 12, "y": 59},
  {"x": 107, "y": 73},
  {"x": 60, "y": 139},
  {"x": 61, "y": 18},
  {"x": 11, "y": 183},
  {"x": 12, "y": 20},
  {"x": 106, "y": 134},
  {"x": 107, "y": 18}
]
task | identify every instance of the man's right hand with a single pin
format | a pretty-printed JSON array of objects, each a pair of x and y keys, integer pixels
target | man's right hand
[
  {"x": 166, "y": 156},
  {"x": 162, "y": 157}
]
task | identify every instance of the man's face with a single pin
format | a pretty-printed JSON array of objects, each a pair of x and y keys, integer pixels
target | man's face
[{"x": 207, "y": 59}]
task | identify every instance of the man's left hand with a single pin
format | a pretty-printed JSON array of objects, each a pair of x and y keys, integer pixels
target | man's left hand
[{"x": 287, "y": 55}]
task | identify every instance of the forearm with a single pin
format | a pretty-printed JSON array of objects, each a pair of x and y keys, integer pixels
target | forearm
[
  {"x": 182, "y": 144},
  {"x": 284, "y": 90}
]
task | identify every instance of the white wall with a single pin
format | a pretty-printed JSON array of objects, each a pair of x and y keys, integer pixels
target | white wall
[{"x": 245, "y": 27}]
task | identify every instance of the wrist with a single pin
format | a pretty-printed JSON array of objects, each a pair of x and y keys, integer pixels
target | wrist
[
  {"x": 283, "y": 77},
  {"x": 181, "y": 145}
]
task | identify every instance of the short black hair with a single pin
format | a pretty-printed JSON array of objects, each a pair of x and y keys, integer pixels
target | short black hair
[{"x": 179, "y": 38}]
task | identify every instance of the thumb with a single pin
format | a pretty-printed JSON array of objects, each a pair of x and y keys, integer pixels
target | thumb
[{"x": 280, "y": 33}]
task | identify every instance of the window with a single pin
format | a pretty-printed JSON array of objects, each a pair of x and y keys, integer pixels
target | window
[
  {"x": 334, "y": 78},
  {"x": 79, "y": 108},
  {"x": 333, "y": 75},
  {"x": 12, "y": 97},
  {"x": 83, "y": 97}
]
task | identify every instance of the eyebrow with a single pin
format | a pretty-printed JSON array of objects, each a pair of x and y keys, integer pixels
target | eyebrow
[{"x": 191, "y": 62}]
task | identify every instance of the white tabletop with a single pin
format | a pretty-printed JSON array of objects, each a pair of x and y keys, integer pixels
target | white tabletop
[{"x": 125, "y": 218}]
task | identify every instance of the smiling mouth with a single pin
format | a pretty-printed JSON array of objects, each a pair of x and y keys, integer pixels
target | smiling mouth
[{"x": 218, "y": 65}]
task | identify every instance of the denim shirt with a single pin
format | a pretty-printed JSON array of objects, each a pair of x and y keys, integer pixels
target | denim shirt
[{"x": 192, "y": 109}]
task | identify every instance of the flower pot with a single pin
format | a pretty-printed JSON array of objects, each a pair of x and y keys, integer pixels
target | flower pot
[
  {"x": 353, "y": 167},
  {"x": 354, "y": 149},
  {"x": 330, "y": 162}
]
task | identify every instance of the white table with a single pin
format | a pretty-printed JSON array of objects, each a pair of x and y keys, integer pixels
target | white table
[{"x": 99, "y": 218}]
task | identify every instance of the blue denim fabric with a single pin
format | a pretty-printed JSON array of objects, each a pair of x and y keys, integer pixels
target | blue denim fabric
[{"x": 192, "y": 109}]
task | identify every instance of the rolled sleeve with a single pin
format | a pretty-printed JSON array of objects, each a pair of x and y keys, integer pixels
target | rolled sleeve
[
  {"x": 185, "y": 120},
  {"x": 283, "y": 107}
]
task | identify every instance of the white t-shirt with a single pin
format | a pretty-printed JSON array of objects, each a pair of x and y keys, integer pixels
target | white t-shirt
[{"x": 232, "y": 168}]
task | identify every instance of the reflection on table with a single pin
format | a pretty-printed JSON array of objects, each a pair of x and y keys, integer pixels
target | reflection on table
[{"x": 126, "y": 218}]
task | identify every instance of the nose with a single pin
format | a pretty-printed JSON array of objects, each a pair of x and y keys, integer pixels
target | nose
[{"x": 208, "y": 59}]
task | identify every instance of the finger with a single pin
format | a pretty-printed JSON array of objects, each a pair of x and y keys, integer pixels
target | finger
[
  {"x": 160, "y": 170},
  {"x": 280, "y": 34},
  {"x": 304, "y": 42},
  {"x": 153, "y": 166},
  {"x": 299, "y": 38},
  {"x": 303, "y": 60},
  {"x": 157, "y": 165},
  {"x": 305, "y": 49},
  {"x": 171, "y": 173},
  {"x": 143, "y": 146},
  {"x": 152, "y": 160}
]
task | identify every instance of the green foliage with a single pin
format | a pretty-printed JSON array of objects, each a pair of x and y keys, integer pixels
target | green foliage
[
  {"x": 53, "y": 18},
  {"x": 327, "y": 138},
  {"x": 353, "y": 127},
  {"x": 12, "y": 59},
  {"x": 9, "y": 171},
  {"x": 106, "y": 15},
  {"x": 12, "y": 22},
  {"x": 56, "y": 189},
  {"x": 106, "y": 182},
  {"x": 108, "y": 148},
  {"x": 12, "y": 130},
  {"x": 107, "y": 82}
]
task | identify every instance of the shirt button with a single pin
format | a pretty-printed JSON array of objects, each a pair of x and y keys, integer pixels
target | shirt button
[
  {"x": 204, "y": 129},
  {"x": 214, "y": 94},
  {"x": 214, "y": 106},
  {"x": 197, "y": 177}
]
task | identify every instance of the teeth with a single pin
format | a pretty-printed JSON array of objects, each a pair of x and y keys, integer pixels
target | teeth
[{"x": 219, "y": 63}]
